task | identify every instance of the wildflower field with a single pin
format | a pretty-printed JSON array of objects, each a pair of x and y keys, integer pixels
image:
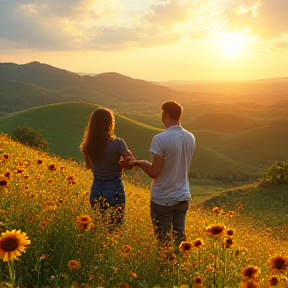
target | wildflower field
[{"x": 50, "y": 237}]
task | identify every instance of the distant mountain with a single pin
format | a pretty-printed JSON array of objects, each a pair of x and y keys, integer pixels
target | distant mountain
[
  {"x": 105, "y": 88},
  {"x": 33, "y": 84},
  {"x": 264, "y": 91}
]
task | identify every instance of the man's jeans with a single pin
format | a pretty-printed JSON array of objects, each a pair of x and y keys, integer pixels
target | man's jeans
[{"x": 166, "y": 217}]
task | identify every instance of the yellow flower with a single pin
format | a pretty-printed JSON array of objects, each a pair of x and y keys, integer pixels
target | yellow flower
[
  {"x": 250, "y": 272},
  {"x": 3, "y": 182},
  {"x": 84, "y": 222},
  {"x": 185, "y": 247},
  {"x": 279, "y": 263},
  {"x": 197, "y": 243},
  {"x": 228, "y": 242},
  {"x": 52, "y": 167},
  {"x": 273, "y": 281},
  {"x": 229, "y": 233},
  {"x": 12, "y": 243},
  {"x": 73, "y": 264},
  {"x": 126, "y": 248},
  {"x": 216, "y": 230},
  {"x": 230, "y": 214},
  {"x": 197, "y": 282},
  {"x": 184, "y": 286}
]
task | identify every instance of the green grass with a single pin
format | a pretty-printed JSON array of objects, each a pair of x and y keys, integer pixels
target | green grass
[
  {"x": 63, "y": 126},
  {"x": 244, "y": 151},
  {"x": 265, "y": 206}
]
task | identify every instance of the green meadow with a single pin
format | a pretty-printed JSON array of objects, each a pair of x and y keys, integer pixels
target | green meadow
[
  {"x": 232, "y": 146},
  {"x": 67, "y": 244}
]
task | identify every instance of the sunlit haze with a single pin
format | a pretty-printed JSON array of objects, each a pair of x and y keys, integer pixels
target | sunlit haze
[{"x": 150, "y": 39}]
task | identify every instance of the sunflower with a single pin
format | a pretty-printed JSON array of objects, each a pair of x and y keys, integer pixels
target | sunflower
[
  {"x": 273, "y": 281},
  {"x": 216, "y": 230},
  {"x": 218, "y": 210},
  {"x": 279, "y": 263},
  {"x": 228, "y": 242},
  {"x": 230, "y": 214},
  {"x": 250, "y": 272},
  {"x": 12, "y": 243},
  {"x": 185, "y": 247},
  {"x": 7, "y": 174},
  {"x": 3, "y": 182},
  {"x": 84, "y": 222},
  {"x": 197, "y": 282},
  {"x": 229, "y": 233},
  {"x": 197, "y": 243},
  {"x": 71, "y": 180},
  {"x": 52, "y": 167},
  {"x": 73, "y": 264},
  {"x": 126, "y": 248}
]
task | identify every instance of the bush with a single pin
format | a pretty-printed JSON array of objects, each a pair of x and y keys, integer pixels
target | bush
[
  {"x": 30, "y": 137},
  {"x": 277, "y": 173}
]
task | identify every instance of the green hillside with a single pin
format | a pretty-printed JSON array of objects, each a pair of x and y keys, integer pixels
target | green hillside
[
  {"x": 63, "y": 126},
  {"x": 242, "y": 152},
  {"x": 20, "y": 96},
  {"x": 265, "y": 206}
]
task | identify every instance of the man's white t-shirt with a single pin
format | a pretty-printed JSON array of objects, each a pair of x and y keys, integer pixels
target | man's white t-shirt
[{"x": 176, "y": 145}]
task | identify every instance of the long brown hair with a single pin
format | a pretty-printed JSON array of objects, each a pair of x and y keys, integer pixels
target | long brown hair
[{"x": 99, "y": 129}]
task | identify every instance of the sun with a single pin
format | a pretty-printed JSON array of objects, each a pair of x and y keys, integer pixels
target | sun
[{"x": 233, "y": 44}]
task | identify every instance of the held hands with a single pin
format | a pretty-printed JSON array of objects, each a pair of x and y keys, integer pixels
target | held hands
[{"x": 127, "y": 163}]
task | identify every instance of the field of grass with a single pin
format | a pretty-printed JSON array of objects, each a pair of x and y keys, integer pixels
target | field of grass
[
  {"x": 48, "y": 198},
  {"x": 265, "y": 207},
  {"x": 225, "y": 143},
  {"x": 63, "y": 126}
]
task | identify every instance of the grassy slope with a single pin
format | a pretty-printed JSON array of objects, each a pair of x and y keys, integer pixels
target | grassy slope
[
  {"x": 264, "y": 206},
  {"x": 63, "y": 127},
  {"x": 245, "y": 150}
]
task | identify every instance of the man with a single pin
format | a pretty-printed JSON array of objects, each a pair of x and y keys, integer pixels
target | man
[{"x": 172, "y": 152}]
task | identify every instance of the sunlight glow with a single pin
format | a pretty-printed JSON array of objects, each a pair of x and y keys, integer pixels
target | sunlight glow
[{"x": 233, "y": 44}]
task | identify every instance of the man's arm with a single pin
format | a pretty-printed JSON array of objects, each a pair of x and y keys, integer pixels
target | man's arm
[{"x": 151, "y": 169}]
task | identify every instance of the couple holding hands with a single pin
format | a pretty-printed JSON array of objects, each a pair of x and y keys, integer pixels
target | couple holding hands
[{"x": 172, "y": 150}]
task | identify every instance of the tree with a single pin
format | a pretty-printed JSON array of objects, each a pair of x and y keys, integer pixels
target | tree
[{"x": 30, "y": 137}]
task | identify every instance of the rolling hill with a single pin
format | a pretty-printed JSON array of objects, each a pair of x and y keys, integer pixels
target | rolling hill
[
  {"x": 240, "y": 151},
  {"x": 63, "y": 126},
  {"x": 108, "y": 89}
]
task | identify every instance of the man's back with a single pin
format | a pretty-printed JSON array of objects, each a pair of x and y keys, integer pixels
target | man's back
[{"x": 176, "y": 145}]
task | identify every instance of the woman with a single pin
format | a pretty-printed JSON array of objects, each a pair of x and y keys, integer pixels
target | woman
[{"x": 106, "y": 156}]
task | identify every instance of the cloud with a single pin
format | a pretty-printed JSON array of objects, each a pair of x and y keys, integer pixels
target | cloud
[
  {"x": 264, "y": 18},
  {"x": 119, "y": 38},
  {"x": 110, "y": 25}
]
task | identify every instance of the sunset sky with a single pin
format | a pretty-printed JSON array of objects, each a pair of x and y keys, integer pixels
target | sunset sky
[{"x": 152, "y": 40}]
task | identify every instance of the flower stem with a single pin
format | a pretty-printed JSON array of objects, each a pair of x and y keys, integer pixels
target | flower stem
[{"x": 11, "y": 272}]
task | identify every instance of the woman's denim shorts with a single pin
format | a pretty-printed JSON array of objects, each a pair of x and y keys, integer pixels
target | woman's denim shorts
[{"x": 110, "y": 190}]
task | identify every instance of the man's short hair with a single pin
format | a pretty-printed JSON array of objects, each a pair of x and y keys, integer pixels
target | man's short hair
[{"x": 173, "y": 109}]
